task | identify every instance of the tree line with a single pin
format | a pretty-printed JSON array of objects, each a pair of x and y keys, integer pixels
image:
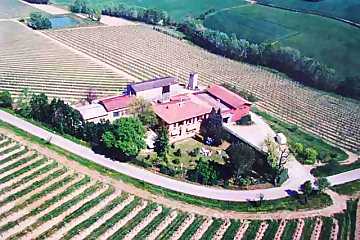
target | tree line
[
  {"x": 150, "y": 16},
  {"x": 290, "y": 61},
  {"x": 123, "y": 139},
  {"x": 38, "y": 1}
]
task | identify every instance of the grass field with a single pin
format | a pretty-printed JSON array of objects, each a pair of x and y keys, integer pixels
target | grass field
[
  {"x": 14, "y": 8},
  {"x": 346, "y": 9},
  {"x": 329, "y": 41}
]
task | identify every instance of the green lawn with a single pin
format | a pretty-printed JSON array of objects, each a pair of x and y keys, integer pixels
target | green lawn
[
  {"x": 347, "y": 188},
  {"x": 329, "y": 41},
  {"x": 346, "y": 9},
  {"x": 332, "y": 169}
]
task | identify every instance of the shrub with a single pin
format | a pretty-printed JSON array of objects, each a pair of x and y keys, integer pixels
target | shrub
[
  {"x": 164, "y": 169},
  {"x": 322, "y": 184},
  {"x": 79, "y": 6},
  {"x": 246, "y": 120},
  {"x": 282, "y": 177},
  {"x": 195, "y": 152},
  {"x": 38, "y": 21},
  {"x": 298, "y": 149},
  {"x": 310, "y": 155},
  {"x": 5, "y": 99}
]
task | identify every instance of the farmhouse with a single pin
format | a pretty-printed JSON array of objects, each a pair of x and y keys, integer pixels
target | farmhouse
[
  {"x": 183, "y": 113},
  {"x": 158, "y": 89},
  {"x": 180, "y": 108},
  {"x": 117, "y": 106}
]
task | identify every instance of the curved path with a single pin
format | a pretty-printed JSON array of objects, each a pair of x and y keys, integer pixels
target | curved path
[{"x": 297, "y": 173}]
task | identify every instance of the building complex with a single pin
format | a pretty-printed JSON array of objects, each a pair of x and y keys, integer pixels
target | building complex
[{"x": 181, "y": 108}]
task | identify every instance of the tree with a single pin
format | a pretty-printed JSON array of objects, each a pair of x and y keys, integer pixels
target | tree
[
  {"x": 307, "y": 189},
  {"x": 142, "y": 109},
  {"x": 65, "y": 119},
  {"x": 211, "y": 128},
  {"x": 39, "y": 107},
  {"x": 125, "y": 138},
  {"x": 310, "y": 155},
  {"x": 5, "y": 99},
  {"x": 161, "y": 144},
  {"x": 93, "y": 132},
  {"x": 350, "y": 87},
  {"x": 322, "y": 184},
  {"x": 94, "y": 14},
  {"x": 277, "y": 155},
  {"x": 241, "y": 157},
  {"x": 22, "y": 104},
  {"x": 298, "y": 149},
  {"x": 39, "y": 21},
  {"x": 79, "y": 6},
  {"x": 205, "y": 172}
]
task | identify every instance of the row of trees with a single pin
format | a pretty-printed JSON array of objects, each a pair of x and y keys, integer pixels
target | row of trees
[
  {"x": 284, "y": 59},
  {"x": 39, "y": 21},
  {"x": 38, "y": 1},
  {"x": 81, "y": 6},
  {"x": 288, "y": 60},
  {"x": 150, "y": 16},
  {"x": 122, "y": 139}
]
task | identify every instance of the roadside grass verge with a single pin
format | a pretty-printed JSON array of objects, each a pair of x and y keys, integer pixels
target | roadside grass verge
[
  {"x": 347, "y": 188},
  {"x": 289, "y": 203},
  {"x": 333, "y": 168}
]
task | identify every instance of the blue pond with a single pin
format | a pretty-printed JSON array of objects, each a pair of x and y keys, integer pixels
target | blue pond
[{"x": 63, "y": 22}]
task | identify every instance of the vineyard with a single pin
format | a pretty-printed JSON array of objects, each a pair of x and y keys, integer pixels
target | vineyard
[
  {"x": 43, "y": 199},
  {"x": 145, "y": 53},
  {"x": 31, "y": 61}
]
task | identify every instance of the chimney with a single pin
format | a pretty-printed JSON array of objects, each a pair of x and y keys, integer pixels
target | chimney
[{"x": 193, "y": 81}]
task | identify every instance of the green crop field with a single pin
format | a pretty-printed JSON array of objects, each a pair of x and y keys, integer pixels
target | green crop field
[
  {"x": 330, "y": 41},
  {"x": 346, "y": 9},
  {"x": 14, "y": 8}
]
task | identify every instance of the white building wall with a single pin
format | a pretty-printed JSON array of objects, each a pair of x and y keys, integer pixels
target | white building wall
[{"x": 155, "y": 94}]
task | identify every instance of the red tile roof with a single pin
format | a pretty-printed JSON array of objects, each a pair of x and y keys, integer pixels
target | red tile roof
[
  {"x": 118, "y": 102},
  {"x": 177, "y": 111},
  {"x": 226, "y": 96},
  {"x": 239, "y": 113}
]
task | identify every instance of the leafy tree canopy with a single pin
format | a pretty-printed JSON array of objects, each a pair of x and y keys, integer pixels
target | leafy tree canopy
[
  {"x": 5, "y": 99},
  {"x": 143, "y": 110},
  {"x": 39, "y": 21},
  {"x": 161, "y": 145},
  {"x": 126, "y": 137},
  {"x": 211, "y": 128},
  {"x": 241, "y": 157}
]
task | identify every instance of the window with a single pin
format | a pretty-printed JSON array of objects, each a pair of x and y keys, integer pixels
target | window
[
  {"x": 166, "y": 89},
  {"x": 116, "y": 114}
]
